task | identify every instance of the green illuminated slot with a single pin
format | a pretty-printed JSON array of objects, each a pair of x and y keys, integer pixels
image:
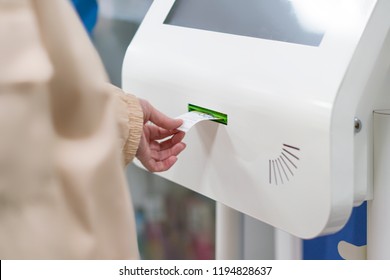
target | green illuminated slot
[{"x": 221, "y": 117}]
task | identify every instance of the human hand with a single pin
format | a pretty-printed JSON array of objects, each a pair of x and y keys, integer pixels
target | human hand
[{"x": 157, "y": 155}]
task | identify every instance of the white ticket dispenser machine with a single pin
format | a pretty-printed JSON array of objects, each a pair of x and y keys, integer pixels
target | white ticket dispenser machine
[{"x": 297, "y": 81}]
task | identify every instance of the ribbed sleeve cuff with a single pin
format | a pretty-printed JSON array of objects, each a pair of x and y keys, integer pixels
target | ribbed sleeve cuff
[{"x": 130, "y": 122}]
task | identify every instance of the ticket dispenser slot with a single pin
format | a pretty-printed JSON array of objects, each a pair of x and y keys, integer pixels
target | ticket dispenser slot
[{"x": 220, "y": 117}]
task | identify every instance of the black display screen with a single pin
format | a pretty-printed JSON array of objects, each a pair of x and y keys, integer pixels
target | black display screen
[{"x": 276, "y": 20}]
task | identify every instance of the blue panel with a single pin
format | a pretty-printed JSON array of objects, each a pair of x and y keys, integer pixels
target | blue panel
[
  {"x": 325, "y": 247},
  {"x": 88, "y": 12}
]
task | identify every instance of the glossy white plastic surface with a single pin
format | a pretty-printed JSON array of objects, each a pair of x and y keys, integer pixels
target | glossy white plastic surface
[{"x": 287, "y": 155}]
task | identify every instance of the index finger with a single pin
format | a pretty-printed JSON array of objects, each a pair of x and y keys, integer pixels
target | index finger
[{"x": 163, "y": 120}]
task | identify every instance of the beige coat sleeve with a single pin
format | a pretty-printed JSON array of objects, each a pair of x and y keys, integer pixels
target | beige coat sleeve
[
  {"x": 130, "y": 122},
  {"x": 63, "y": 193}
]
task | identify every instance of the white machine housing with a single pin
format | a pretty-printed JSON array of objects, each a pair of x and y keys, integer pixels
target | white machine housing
[{"x": 290, "y": 154}]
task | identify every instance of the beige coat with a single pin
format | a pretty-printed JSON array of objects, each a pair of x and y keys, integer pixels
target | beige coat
[{"x": 63, "y": 193}]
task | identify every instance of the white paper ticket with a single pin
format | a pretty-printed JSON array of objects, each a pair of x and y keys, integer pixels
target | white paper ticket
[{"x": 192, "y": 118}]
